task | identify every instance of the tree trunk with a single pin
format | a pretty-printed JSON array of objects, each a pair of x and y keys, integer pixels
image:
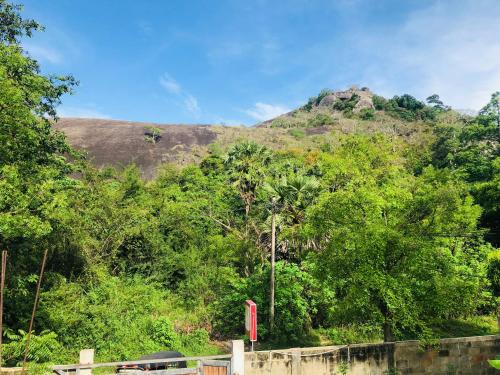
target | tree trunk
[
  {"x": 388, "y": 334},
  {"x": 271, "y": 281},
  {"x": 247, "y": 213}
]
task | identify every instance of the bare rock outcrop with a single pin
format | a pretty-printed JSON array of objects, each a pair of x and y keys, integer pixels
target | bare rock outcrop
[{"x": 364, "y": 94}]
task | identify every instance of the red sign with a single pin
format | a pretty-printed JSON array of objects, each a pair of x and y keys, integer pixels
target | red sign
[{"x": 251, "y": 320}]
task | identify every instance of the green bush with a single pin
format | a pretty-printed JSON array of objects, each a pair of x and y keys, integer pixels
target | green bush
[
  {"x": 367, "y": 114},
  {"x": 309, "y": 105},
  {"x": 407, "y": 108},
  {"x": 315, "y": 100},
  {"x": 113, "y": 316},
  {"x": 195, "y": 342},
  {"x": 320, "y": 119},
  {"x": 44, "y": 348},
  {"x": 324, "y": 93},
  {"x": 379, "y": 102},
  {"x": 152, "y": 134},
  {"x": 348, "y": 105},
  {"x": 353, "y": 334},
  {"x": 297, "y": 298},
  {"x": 162, "y": 331},
  {"x": 297, "y": 133},
  {"x": 494, "y": 272},
  {"x": 408, "y": 102}
]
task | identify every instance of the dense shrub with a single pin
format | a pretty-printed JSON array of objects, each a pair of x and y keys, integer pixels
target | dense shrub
[
  {"x": 367, "y": 114},
  {"x": 379, "y": 102},
  {"x": 320, "y": 119},
  {"x": 406, "y": 107},
  {"x": 136, "y": 267},
  {"x": 298, "y": 299},
  {"x": 346, "y": 106},
  {"x": 354, "y": 334},
  {"x": 162, "y": 331},
  {"x": 44, "y": 348},
  {"x": 121, "y": 319},
  {"x": 297, "y": 133},
  {"x": 315, "y": 100},
  {"x": 494, "y": 272}
]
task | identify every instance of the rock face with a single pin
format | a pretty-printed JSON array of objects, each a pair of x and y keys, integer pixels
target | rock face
[
  {"x": 328, "y": 100},
  {"x": 364, "y": 94},
  {"x": 119, "y": 143}
]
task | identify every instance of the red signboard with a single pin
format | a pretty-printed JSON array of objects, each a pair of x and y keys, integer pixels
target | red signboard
[{"x": 251, "y": 319}]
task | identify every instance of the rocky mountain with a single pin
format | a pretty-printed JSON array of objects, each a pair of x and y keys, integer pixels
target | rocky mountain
[{"x": 320, "y": 121}]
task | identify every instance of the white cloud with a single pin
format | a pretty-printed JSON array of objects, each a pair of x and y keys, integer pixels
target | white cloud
[
  {"x": 191, "y": 104},
  {"x": 448, "y": 48},
  {"x": 170, "y": 84},
  {"x": 80, "y": 112},
  {"x": 264, "y": 111},
  {"x": 42, "y": 53},
  {"x": 188, "y": 101}
]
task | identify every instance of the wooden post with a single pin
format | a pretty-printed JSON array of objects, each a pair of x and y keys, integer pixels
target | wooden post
[
  {"x": 238, "y": 357},
  {"x": 86, "y": 358},
  {"x": 498, "y": 323}
]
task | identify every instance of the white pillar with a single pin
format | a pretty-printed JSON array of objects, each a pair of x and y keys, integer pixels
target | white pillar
[
  {"x": 238, "y": 357},
  {"x": 86, "y": 358},
  {"x": 296, "y": 361}
]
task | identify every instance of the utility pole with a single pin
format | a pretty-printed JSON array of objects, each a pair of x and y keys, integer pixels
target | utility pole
[{"x": 273, "y": 264}]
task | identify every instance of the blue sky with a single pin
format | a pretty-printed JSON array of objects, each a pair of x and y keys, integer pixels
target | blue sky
[{"x": 244, "y": 61}]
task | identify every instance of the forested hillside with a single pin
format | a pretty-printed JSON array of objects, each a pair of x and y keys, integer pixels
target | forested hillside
[{"x": 383, "y": 226}]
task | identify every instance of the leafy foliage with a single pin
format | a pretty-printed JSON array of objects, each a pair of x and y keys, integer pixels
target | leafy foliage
[
  {"x": 367, "y": 114},
  {"x": 346, "y": 105},
  {"x": 490, "y": 113},
  {"x": 315, "y": 100},
  {"x": 362, "y": 235},
  {"x": 408, "y": 108},
  {"x": 320, "y": 119},
  {"x": 152, "y": 134}
]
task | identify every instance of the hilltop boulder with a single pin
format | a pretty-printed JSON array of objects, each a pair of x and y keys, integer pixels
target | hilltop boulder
[{"x": 365, "y": 98}]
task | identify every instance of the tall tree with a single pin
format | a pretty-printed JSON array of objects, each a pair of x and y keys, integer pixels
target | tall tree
[
  {"x": 392, "y": 246},
  {"x": 289, "y": 198},
  {"x": 34, "y": 172},
  {"x": 31, "y": 152},
  {"x": 491, "y": 111},
  {"x": 246, "y": 163},
  {"x": 436, "y": 103}
]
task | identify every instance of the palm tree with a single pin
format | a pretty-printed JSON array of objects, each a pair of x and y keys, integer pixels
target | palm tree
[
  {"x": 289, "y": 198},
  {"x": 246, "y": 163}
]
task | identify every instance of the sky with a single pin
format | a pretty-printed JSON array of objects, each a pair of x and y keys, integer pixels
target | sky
[{"x": 245, "y": 61}]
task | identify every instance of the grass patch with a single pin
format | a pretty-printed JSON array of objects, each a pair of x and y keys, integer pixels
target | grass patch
[
  {"x": 359, "y": 334},
  {"x": 351, "y": 334},
  {"x": 297, "y": 133},
  {"x": 474, "y": 326}
]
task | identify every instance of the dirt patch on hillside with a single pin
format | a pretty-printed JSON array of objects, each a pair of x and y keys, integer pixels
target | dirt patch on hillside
[{"x": 318, "y": 130}]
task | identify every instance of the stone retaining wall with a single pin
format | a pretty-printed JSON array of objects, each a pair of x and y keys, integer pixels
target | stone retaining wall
[{"x": 460, "y": 356}]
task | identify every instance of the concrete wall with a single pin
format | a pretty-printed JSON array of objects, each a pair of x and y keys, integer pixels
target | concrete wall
[
  {"x": 461, "y": 356},
  {"x": 11, "y": 371}
]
